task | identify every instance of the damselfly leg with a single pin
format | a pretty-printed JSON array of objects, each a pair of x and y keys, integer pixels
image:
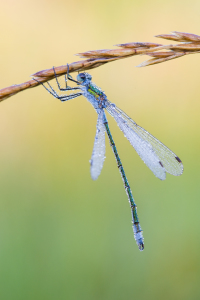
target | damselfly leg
[{"x": 67, "y": 88}]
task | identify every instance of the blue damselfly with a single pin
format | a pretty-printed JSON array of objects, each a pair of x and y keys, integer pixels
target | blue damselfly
[{"x": 155, "y": 155}]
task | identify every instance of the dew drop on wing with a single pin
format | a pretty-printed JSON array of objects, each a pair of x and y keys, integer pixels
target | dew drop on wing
[
  {"x": 98, "y": 153},
  {"x": 170, "y": 161},
  {"x": 142, "y": 147}
]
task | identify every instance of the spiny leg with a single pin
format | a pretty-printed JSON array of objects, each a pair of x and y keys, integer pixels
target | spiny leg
[
  {"x": 135, "y": 220},
  {"x": 69, "y": 77},
  {"x": 53, "y": 92},
  {"x": 68, "y": 88},
  {"x": 69, "y": 97}
]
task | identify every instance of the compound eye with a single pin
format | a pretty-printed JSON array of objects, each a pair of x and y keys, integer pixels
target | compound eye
[{"x": 81, "y": 77}]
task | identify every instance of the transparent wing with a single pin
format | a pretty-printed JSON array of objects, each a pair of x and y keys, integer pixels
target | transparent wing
[
  {"x": 156, "y": 156},
  {"x": 98, "y": 153}
]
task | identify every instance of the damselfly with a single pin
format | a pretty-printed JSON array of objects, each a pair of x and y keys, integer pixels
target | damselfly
[{"x": 155, "y": 155}]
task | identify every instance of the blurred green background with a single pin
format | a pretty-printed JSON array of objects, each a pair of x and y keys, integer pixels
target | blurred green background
[{"x": 63, "y": 236}]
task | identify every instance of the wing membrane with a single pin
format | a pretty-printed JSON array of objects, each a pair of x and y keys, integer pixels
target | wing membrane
[
  {"x": 98, "y": 153},
  {"x": 156, "y": 155}
]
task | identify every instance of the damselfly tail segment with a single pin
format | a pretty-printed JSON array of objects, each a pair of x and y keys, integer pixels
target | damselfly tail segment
[{"x": 135, "y": 220}]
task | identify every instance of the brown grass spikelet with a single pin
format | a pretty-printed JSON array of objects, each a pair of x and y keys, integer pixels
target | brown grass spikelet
[
  {"x": 180, "y": 37},
  {"x": 187, "y": 44}
]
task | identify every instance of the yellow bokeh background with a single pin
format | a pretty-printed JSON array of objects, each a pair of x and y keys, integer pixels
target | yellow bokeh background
[{"x": 62, "y": 235}]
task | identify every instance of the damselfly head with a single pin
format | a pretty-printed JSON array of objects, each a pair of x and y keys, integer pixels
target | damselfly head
[{"x": 84, "y": 77}]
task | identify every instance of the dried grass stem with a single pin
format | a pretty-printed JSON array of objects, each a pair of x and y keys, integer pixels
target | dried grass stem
[{"x": 190, "y": 44}]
